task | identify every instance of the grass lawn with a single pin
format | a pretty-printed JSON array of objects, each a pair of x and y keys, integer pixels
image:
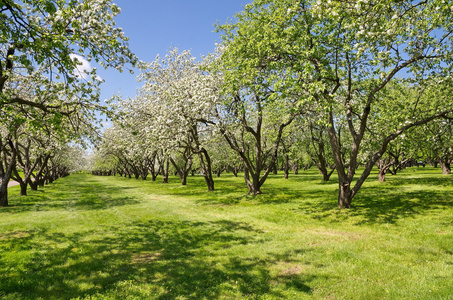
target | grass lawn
[{"x": 88, "y": 237}]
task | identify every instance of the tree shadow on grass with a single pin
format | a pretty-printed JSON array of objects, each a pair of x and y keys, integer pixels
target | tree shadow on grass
[
  {"x": 374, "y": 207},
  {"x": 405, "y": 195},
  {"x": 272, "y": 194},
  {"x": 421, "y": 179},
  {"x": 83, "y": 196},
  {"x": 231, "y": 190},
  {"x": 380, "y": 208},
  {"x": 280, "y": 195},
  {"x": 154, "y": 259},
  {"x": 382, "y": 203},
  {"x": 228, "y": 191}
]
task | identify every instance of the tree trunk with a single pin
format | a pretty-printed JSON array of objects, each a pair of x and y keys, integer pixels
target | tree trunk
[
  {"x": 205, "y": 159},
  {"x": 22, "y": 182},
  {"x": 445, "y": 165},
  {"x": 153, "y": 176},
  {"x": 206, "y": 168},
  {"x": 344, "y": 195},
  {"x": 252, "y": 183},
  {"x": 235, "y": 171},
  {"x": 286, "y": 166},
  {"x": 326, "y": 175},
  {"x": 143, "y": 172},
  {"x": 165, "y": 167},
  {"x": 33, "y": 184},
  {"x": 295, "y": 167},
  {"x": 3, "y": 193},
  {"x": 209, "y": 183},
  {"x": 5, "y": 175},
  {"x": 182, "y": 171},
  {"x": 23, "y": 188},
  {"x": 381, "y": 175}
]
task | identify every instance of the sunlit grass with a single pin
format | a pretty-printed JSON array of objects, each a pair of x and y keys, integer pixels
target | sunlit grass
[{"x": 93, "y": 237}]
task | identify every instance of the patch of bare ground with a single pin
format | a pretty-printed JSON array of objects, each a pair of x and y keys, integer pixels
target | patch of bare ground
[
  {"x": 145, "y": 257},
  {"x": 13, "y": 235},
  {"x": 352, "y": 236},
  {"x": 287, "y": 269}
]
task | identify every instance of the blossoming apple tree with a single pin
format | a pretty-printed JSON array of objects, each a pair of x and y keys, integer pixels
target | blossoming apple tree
[
  {"x": 342, "y": 55},
  {"x": 40, "y": 41},
  {"x": 175, "y": 106}
]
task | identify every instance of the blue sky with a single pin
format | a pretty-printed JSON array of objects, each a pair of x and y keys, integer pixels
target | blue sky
[{"x": 154, "y": 26}]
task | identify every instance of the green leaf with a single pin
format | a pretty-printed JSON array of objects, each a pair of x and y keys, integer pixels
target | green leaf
[{"x": 50, "y": 7}]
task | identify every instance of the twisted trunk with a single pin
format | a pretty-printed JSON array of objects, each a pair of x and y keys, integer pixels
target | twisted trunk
[
  {"x": 206, "y": 168},
  {"x": 255, "y": 165},
  {"x": 5, "y": 175},
  {"x": 182, "y": 171}
]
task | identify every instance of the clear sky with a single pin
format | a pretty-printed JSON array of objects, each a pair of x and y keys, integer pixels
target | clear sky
[{"x": 153, "y": 26}]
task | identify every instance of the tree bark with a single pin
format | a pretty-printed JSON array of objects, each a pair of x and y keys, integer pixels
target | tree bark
[
  {"x": 165, "y": 167},
  {"x": 381, "y": 175},
  {"x": 33, "y": 184},
  {"x": 143, "y": 173},
  {"x": 295, "y": 167},
  {"x": 23, "y": 188},
  {"x": 205, "y": 159},
  {"x": 252, "y": 183},
  {"x": 206, "y": 168},
  {"x": 183, "y": 171},
  {"x": 344, "y": 195},
  {"x": 235, "y": 171},
  {"x": 153, "y": 176},
  {"x": 3, "y": 192},
  {"x": 446, "y": 167},
  {"x": 286, "y": 167},
  {"x": 5, "y": 173}
]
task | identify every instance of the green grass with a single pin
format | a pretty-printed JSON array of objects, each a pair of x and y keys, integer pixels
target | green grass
[{"x": 90, "y": 237}]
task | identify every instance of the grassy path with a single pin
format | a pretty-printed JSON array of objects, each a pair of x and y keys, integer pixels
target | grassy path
[{"x": 90, "y": 237}]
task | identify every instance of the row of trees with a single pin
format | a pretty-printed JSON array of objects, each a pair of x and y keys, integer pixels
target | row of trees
[
  {"x": 341, "y": 84},
  {"x": 351, "y": 80},
  {"x": 34, "y": 156},
  {"x": 47, "y": 102}
]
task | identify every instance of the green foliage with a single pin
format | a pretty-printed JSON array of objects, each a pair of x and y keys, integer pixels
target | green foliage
[
  {"x": 342, "y": 60},
  {"x": 89, "y": 237}
]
